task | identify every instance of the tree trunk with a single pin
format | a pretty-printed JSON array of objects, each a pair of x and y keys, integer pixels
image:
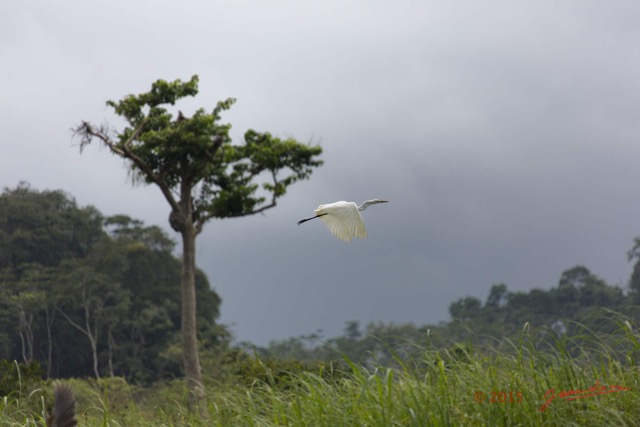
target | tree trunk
[
  {"x": 93, "y": 338},
  {"x": 49, "y": 319},
  {"x": 91, "y": 335},
  {"x": 26, "y": 335},
  {"x": 192, "y": 371},
  {"x": 24, "y": 350},
  {"x": 111, "y": 344}
]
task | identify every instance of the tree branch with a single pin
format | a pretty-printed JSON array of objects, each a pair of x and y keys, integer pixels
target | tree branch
[
  {"x": 75, "y": 325},
  {"x": 86, "y": 131},
  {"x": 255, "y": 211},
  {"x": 204, "y": 218}
]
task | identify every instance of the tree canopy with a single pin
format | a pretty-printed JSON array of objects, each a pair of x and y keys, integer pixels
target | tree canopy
[
  {"x": 44, "y": 227},
  {"x": 192, "y": 159}
]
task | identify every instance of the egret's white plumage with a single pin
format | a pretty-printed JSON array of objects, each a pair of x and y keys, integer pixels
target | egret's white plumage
[{"x": 343, "y": 218}]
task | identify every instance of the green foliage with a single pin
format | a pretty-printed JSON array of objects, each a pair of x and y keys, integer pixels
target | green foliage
[
  {"x": 578, "y": 294},
  {"x": 465, "y": 308},
  {"x": 504, "y": 384},
  {"x": 247, "y": 369},
  {"x": 497, "y": 296},
  {"x": 118, "y": 294},
  {"x": 178, "y": 154},
  {"x": 18, "y": 377},
  {"x": 634, "y": 282},
  {"x": 580, "y": 298},
  {"x": 44, "y": 227},
  {"x": 124, "y": 228}
]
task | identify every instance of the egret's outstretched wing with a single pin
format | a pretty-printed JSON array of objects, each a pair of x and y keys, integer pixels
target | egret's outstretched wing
[
  {"x": 337, "y": 227},
  {"x": 343, "y": 219},
  {"x": 359, "y": 230}
]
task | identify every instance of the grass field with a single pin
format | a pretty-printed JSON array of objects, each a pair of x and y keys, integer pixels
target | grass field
[{"x": 505, "y": 384}]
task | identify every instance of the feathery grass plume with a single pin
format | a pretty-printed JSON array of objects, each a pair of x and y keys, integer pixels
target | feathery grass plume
[{"x": 64, "y": 407}]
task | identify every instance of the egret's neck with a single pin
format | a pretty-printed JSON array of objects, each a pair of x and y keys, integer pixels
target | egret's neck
[{"x": 365, "y": 205}]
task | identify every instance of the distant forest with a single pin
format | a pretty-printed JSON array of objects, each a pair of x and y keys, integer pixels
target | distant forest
[
  {"x": 84, "y": 295},
  {"x": 88, "y": 295}
]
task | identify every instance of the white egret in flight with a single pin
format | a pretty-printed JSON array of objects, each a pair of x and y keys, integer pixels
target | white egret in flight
[{"x": 343, "y": 218}]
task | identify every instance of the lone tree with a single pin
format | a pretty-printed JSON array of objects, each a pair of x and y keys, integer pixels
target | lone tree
[{"x": 201, "y": 174}]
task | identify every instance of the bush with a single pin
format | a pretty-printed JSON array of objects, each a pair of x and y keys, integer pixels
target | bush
[{"x": 18, "y": 377}]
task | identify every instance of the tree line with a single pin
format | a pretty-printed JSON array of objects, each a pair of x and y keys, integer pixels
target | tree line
[
  {"x": 82, "y": 294},
  {"x": 581, "y": 301}
]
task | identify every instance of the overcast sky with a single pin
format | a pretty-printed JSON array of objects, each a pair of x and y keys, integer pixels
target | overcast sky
[{"x": 506, "y": 136}]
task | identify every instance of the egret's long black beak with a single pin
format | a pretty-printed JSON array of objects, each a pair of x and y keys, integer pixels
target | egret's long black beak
[{"x": 309, "y": 219}]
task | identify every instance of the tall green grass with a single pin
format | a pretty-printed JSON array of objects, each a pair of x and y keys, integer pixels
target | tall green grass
[{"x": 436, "y": 387}]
